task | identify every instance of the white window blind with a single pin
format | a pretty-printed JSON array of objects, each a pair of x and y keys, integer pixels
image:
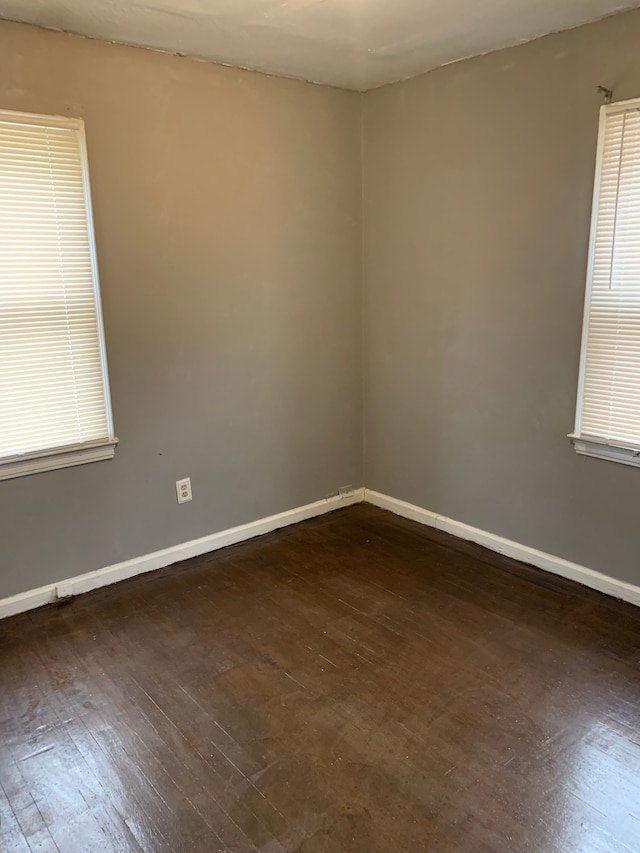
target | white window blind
[
  {"x": 54, "y": 398},
  {"x": 608, "y": 414}
]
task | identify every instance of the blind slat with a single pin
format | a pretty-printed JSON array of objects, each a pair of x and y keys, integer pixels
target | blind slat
[
  {"x": 53, "y": 390},
  {"x": 609, "y": 404}
]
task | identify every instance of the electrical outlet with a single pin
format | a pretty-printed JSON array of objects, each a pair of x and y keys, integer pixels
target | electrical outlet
[{"x": 183, "y": 490}]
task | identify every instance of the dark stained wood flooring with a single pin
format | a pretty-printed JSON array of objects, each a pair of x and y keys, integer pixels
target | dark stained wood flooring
[{"x": 355, "y": 683}]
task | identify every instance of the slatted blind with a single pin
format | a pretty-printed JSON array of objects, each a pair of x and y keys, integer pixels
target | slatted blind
[
  {"x": 53, "y": 386},
  {"x": 609, "y": 399}
]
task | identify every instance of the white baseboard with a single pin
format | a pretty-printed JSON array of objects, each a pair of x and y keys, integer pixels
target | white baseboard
[
  {"x": 27, "y": 600},
  {"x": 556, "y": 565},
  {"x": 160, "y": 559}
]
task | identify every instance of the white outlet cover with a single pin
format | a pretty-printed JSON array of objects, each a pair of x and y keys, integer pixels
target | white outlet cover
[{"x": 183, "y": 490}]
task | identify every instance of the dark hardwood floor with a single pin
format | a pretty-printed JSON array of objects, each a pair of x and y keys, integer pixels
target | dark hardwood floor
[{"x": 356, "y": 683}]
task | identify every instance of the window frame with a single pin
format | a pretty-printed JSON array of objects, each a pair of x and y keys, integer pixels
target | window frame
[
  {"x": 585, "y": 445},
  {"x": 65, "y": 456}
]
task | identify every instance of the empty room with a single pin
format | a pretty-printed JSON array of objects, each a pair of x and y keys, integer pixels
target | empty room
[{"x": 319, "y": 426}]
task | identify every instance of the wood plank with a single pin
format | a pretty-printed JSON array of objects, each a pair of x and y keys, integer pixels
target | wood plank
[{"x": 355, "y": 683}]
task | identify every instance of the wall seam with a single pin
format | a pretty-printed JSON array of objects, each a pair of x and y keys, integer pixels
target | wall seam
[{"x": 363, "y": 325}]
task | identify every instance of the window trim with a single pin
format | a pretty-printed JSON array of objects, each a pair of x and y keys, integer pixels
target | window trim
[
  {"x": 55, "y": 458},
  {"x": 51, "y": 459},
  {"x": 587, "y": 445}
]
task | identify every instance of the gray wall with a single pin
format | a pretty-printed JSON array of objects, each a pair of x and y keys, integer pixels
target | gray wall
[
  {"x": 228, "y": 224},
  {"x": 478, "y": 182}
]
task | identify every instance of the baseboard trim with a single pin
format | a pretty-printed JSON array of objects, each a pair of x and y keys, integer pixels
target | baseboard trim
[
  {"x": 160, "y": 559},
  {"x": 540, "y": 559}
]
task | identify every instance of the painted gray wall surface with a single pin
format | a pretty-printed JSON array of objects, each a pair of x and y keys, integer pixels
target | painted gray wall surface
[
  {"x": 228, "y": 224},
  {"x": 478, "y": 184},
  {"x": 227, "y": 212}
]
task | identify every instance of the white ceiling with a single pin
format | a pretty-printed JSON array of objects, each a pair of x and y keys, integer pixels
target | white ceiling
[{"x": 357, "y": 44}]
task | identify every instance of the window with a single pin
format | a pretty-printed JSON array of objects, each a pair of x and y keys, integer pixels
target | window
[
  {"x": 608, "y": 412},
  {"x": 54, "y": 393}
]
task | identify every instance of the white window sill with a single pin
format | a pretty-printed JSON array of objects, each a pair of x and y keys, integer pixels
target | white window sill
[
  {"x": 51, "y": 460},
  {"x": 602, "y": 450}
]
